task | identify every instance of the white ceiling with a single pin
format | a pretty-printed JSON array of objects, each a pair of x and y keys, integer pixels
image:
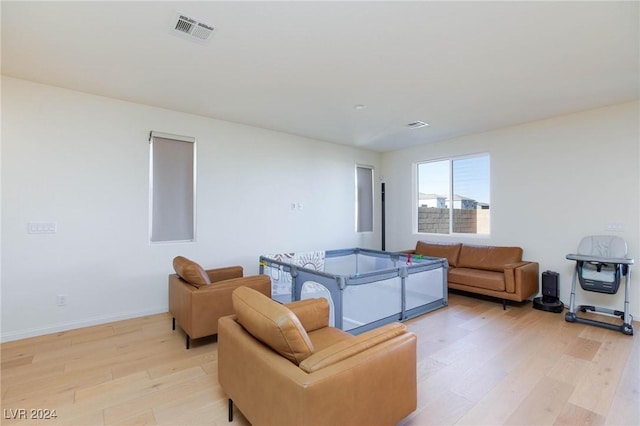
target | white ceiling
[{"x": 301, "y": 67}]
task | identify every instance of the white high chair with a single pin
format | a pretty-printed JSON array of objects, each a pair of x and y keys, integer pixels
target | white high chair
[{"x": 601, "y": 262}]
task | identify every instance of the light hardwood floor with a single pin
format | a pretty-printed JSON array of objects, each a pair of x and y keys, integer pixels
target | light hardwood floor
[{"x": 477, "y": 364}]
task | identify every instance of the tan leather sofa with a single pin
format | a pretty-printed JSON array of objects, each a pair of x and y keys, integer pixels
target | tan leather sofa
[
  {"x": 283, "y": 365},
  {"x": 488, "y": 270},
  {"x": 198, "y": 297}
]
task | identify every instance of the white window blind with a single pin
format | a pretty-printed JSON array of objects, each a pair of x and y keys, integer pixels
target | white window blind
[
  {"x": 364, "y": 199},
  {"x": 172, "y": 187}
]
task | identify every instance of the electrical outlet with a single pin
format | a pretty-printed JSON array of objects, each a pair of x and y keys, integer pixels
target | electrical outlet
[{"x": 61, "y": 300}]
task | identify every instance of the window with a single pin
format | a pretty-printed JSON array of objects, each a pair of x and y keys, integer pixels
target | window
[
  {"x": 453, "y": 196},
  {"x": 172, "y": 188},
  {"x": 364, "y": 199}
]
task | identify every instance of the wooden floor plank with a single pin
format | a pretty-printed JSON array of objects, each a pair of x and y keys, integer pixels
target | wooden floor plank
[
  {"x": 543, "y": 405},
  {"x": 596, "y": 389},
  {"x": 438, "y": 408},
  {"x": 584, "y": 348},
  {"x": 48, "y": 401},
  {"x": 573, "y": 415},
  {"x": 141, "y": 403},
  {"x": 569, "y": 369},
  {"x": 499, "y": 404},
  {"x": 36, "y": 387}
]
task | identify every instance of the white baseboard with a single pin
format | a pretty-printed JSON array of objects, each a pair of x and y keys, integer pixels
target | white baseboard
[{"x": 33, "y": 332}]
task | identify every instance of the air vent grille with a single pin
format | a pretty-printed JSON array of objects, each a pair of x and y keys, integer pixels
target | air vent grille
[
  {"x": 192, "y": 28},
  {"x": 184, "y": 24},
  {"x": 416, "y": 124},
  {"x": 202, "y": 31}
]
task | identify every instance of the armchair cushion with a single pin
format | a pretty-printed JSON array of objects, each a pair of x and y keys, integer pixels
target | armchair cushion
[
  {"x": 190, "y": 271},
  {"x": 272, "y": 323}
]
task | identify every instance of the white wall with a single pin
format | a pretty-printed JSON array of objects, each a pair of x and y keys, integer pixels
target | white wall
[
  {"x": 552, "y": 182},
  {"x": 82, "y": 161}
]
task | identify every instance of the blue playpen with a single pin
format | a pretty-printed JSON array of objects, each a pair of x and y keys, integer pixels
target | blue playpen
[{"x": 365, "y": 288}]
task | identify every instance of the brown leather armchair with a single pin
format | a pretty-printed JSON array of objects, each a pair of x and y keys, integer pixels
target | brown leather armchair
[
  {"x": 283, "y": 365},
  {"x": 198, "y": 297}
]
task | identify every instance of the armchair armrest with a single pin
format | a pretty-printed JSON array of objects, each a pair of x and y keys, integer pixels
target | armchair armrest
[
  {"x": 231, "y": 284},
  {"x": 350, "y": 347},
  {"x": 212, "y": 301},
  {"x": 312, "y": 313},
  {"x": 221, "y": 274}
]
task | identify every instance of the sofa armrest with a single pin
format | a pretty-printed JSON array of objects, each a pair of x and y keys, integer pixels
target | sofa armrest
[
  {"x": 227, "y": 273},
  {"x": 350, "y": 347},
  {"x": 312, "y": 313},
  {"x": 527, "y": 280},
  {"x": 521, "y": 278},
  {"x": 510, "y": 276},
  {"x": 516, "y": 265}
]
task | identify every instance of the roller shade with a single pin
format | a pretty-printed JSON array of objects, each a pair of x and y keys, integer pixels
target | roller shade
[{"x": 172, "y": 188}]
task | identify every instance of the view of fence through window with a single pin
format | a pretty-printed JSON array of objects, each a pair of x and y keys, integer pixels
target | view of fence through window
[{"x": 453, "y": 196}]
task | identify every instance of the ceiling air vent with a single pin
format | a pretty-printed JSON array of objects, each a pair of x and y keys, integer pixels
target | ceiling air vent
[
  {"x": 416, "y": 124},
  {"x": 191, "y": 28}
]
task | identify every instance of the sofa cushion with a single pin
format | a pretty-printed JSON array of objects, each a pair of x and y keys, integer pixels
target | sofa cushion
[
  {"x": 488, "y": 257},
  {"x": 489, "y": 280},
  {"x": 190, "y": 271},
  {"x": 448, "y": 251},
  {"x": 271, "y": 323}
]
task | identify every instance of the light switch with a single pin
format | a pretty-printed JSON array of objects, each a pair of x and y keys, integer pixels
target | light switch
[
  {"x": 613, "y": 227},
  {"x": 42, "y": 228}
]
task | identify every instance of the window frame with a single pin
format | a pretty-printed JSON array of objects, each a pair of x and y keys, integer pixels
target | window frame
[{"x": 416, "y": 196}]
